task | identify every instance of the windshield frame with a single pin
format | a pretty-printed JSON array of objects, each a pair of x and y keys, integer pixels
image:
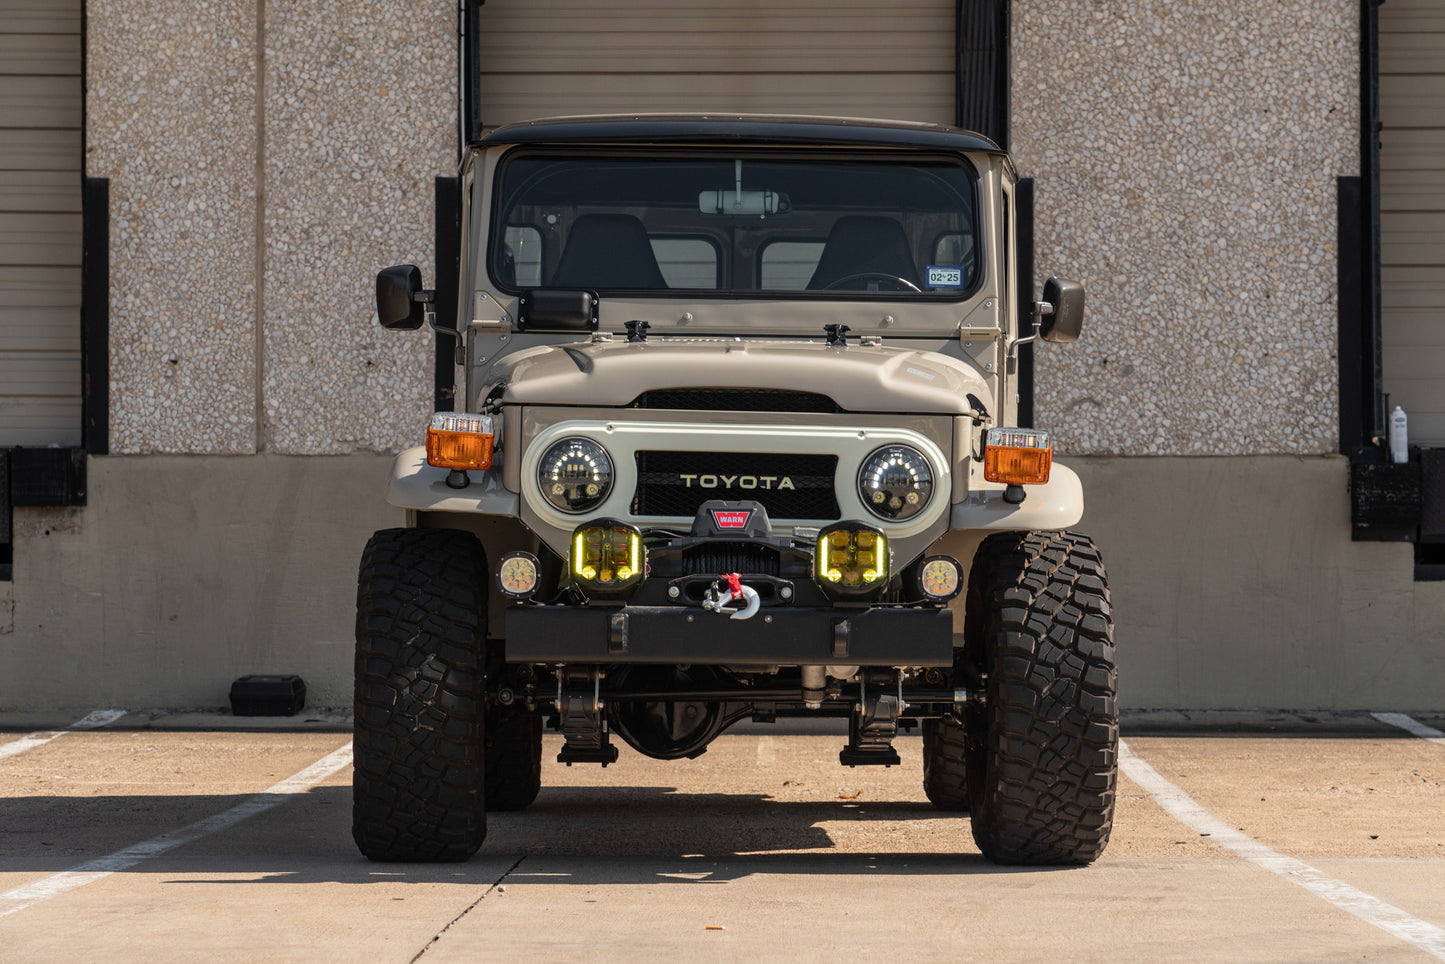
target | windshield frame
[{"x": 752, "y": 152}]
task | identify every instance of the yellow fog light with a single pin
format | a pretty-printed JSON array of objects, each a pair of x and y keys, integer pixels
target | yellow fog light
[
  {"x": 1017, "y": 456},
  {"x": 456, "y": 440},
  {"x": 851, "y": 560},
  {"x": 607, "y": 557}
]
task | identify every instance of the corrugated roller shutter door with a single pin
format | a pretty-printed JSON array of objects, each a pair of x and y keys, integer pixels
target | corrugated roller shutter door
[
  {"x": 40, "y": 183},
  {"x": 855, "y": 58},
  {"x": 1412, "y": 211}
]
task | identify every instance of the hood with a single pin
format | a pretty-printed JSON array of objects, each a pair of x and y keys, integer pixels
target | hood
[{"x": 859, "y": 378}]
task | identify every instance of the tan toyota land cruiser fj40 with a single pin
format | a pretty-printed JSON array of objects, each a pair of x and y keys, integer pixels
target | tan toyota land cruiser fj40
[{"x": 738, "y": 441}]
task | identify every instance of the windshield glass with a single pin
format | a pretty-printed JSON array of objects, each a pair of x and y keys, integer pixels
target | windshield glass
[{"x": 825, "y": 226}]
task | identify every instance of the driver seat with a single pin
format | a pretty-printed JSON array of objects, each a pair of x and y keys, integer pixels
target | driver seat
[
  {"x": 864, "y": 244},
  {"x": 607, "y": 251}
]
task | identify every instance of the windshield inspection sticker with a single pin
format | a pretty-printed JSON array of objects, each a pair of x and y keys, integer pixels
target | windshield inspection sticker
[{"x": 945, "y": 276}]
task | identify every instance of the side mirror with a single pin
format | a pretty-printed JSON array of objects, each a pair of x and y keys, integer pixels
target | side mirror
[
  {"x": 397, "y": 304},
  {"x": 1064, "y": 323}
]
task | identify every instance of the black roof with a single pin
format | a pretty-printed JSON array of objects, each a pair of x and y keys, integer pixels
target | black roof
[{"x": 739, "y": 128}]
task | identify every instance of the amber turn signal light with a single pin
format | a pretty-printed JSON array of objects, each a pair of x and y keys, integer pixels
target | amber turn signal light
[
  {"x": 455, "y": 440},
  {"x": 1017, "y": 456}
]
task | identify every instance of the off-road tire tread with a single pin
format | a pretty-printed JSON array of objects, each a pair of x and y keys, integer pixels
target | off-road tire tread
[
  {"x": 945, "y": 771},
  {"x": 514, "y": 760},
  {"x": 417, "y": 787},
  {"x": 1044, "y": 769}
]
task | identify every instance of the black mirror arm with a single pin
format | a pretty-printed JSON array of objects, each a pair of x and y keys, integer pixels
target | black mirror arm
[
  {"x": 427, "y": 299},
  {"x": 1038, "y": 310}
]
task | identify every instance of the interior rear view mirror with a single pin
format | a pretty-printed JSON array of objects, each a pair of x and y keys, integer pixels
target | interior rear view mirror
[{"x": 743, "y": 202}]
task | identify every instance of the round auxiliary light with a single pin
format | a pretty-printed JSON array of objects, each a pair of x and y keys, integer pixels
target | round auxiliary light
[
  {"x": 575, "y": 474},
  {"x": 895, "y": 482},
  {"x": 517, "y": 575},
  {"x": 939, "y": 578}
]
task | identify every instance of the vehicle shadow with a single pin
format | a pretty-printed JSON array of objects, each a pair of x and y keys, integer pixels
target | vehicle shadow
[
  {"x": 664, "y": 822},
  {"x": 569, "y": 836}
]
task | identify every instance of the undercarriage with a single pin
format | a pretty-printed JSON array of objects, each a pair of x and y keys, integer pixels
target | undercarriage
[{"x": 674, "y": 712}]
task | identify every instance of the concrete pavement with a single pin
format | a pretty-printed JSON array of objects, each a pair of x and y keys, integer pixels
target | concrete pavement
[{"x": 761, "y": 848}]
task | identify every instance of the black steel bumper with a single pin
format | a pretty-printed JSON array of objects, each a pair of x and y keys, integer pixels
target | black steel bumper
[{"x": 777, "y": 635}]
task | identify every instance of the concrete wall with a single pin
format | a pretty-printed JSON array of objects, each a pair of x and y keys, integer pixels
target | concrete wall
[
  {"x": 1235, "y": 585},
  {"x": 185, "y": 573}
]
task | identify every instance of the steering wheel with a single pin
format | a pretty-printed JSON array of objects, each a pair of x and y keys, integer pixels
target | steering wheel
[{"x": 903, "y": 284}]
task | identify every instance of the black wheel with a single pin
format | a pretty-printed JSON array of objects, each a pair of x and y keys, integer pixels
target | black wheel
[
  {"x": 421, "y": 616},
  {"x": 514, "y": 760},
  {"x": 1043, "y": 752},
  {"x": 945, "y": 771}
]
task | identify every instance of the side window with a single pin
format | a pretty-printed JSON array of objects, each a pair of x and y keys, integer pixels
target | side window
[
  {"x": 788, "y": 265},
  {"x": 686, "y": 262},
  {"x": 521, "y": 261}
]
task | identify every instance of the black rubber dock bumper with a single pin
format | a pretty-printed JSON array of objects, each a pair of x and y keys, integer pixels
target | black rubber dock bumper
[{"x": 678, "y": 634}]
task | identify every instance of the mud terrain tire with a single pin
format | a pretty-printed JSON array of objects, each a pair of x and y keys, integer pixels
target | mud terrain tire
[
  {"x": 514, "y": 760},
  {"x": 1042, "y": 754},
  {"x": 421, "y": 615},
  {"x": 945, "y": 769}
]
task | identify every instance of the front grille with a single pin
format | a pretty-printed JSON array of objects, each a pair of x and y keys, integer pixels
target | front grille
[
  {"x": 677, "y": 483},
  {"x": 736, "y": 400}
]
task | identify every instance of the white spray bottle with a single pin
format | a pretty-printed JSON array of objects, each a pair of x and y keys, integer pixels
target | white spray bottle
[{"x": 1399, "y": 436}]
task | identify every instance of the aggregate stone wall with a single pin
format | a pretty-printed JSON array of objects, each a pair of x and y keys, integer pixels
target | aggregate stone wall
[
  {"x": 171, "y": 121},
  {"x": 264, "y": 162},
  {"x": 1186, "y": 156}
]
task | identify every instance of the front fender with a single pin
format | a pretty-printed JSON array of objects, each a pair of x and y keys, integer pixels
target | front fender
[
  {"x": 1057, "y": 504},
  {"x": 416, "y": 485}
]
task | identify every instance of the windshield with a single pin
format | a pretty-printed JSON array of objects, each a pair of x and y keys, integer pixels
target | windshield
[{"x": 737, "y": 223}]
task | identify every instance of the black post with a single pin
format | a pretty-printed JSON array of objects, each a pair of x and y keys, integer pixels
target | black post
[
  {"x": 469, "y": 83},
  {"x": 1024, "y": 277},
  {"x": 1356, "y": 391},
  {"x": 981, "y": 82},
  {"x": 448, "y": 282},
  {"x": 95, "y": 315},
  {"x": 1369, "y": 399}
]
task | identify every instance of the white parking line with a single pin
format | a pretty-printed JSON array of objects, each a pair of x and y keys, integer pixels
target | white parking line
[
  {"x": 89, "y": 722},
  {"x": 30, "y": 894},
  {"x": 1411, "y": 725},
  {"x": 1182, "y": 807}
]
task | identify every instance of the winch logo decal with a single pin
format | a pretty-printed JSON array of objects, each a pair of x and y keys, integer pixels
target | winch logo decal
[
  {"x": 731, "y": 520},
  {"x": 778, "y": 482}
]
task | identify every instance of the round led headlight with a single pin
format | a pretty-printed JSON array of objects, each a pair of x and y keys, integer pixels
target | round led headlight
[
  {"x": 575, "y": 474},
  {"x": 895, "y": 482}
]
